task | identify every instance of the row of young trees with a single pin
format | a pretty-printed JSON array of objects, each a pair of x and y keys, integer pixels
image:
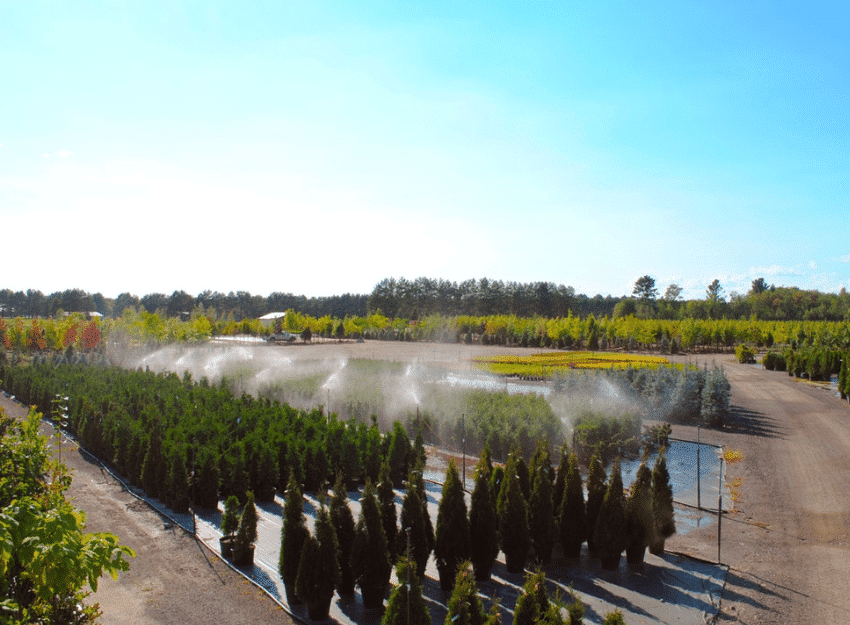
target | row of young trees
[{"x": 505, "y": 514}]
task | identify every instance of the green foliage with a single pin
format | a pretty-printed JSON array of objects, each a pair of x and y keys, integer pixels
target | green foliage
[
  {"x": 343, "y": 523},
  {"x": 294, "y": 535},
  {"x": 416, "y": 524},
  {"x": 512, "y": 512},
  {"x": 571, "y": 515},
  {"x": 606, "y": 434},
  {"x": 614, "y": 618},
  {"x": 745, "y": 354},
  {"x": 715, "y": 406},
  {"x": 230, "y": 518},
  {"x": 533, "y": 603},
  {"x": 596, "y": 489},
  {"x": 610, "y": 532},
  {"x": 541, "y": 512},
  {"x": 640, "y": 520},
  {"x": 406, "y": 605},
  {"x": 247, "y": 532},
  {"x": 483, "y": 522},
  {"x": 386, "y": 501},
  {"x": 452, "y": 539},
  {"x": 46, "y": 558},
  {"x": 318, "y": 571},
  {"x": 662, "y": 504},
  {"x": 369, "y": 554},
  {"x": 464, "y": 606}
]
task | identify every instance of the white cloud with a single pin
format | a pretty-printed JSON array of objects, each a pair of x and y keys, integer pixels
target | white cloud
[
  {"x": 845, "y": 258},
  {"x": 774, "y": 270},
  {"x": 64, "y": 154},
  {"x": 813, "y": 264}
]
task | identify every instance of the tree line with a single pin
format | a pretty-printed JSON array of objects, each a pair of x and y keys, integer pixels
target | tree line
[{"x": 423, "y": 297}]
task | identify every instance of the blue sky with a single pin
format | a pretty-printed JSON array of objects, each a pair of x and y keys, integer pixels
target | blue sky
[{"x": 318, "y": 148}]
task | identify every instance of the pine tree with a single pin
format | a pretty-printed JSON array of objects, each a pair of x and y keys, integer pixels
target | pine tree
[
  {"x": 406, "y": 605},
  {"x": 715, "y": 398},
  {"x": 318, "y": 572},
  {"x": 415, "y": 526},
  {"x": 465, "y": 607},
  {"x": 596, "y": 488},
  {"x": 513, "y": 520},
  {"x": 541, "y": 514},
  {"x": 452, "y": 540},
  {"x": 294, "y": 534},
  {"x": 370, "y": 557},
  {"x": 572, "y": 515},
  {"x": 662, "y": 504},
  {"x": 641, "y": 524},
  {"x": 483, "y": 523},
  {"x": 343, "y": 522},
  {"x": 386, "y": 501},
  {"x": 609, "y": 535}
]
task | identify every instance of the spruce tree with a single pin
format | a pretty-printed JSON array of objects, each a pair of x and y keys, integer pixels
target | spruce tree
[
  {"x": 662, "y": 504},
  {"x": 406, "y": 605},
  {"x": 369, "y": 555},
  {"x": 415, "y": 526},
  {"x": 483, "y": 523},
  {"x": 451, "y": 540},
  {"x": 294, "y": 534},
  {"x": 541, "y": 514},
  {"x": 343, "y": 523},
  {"x": 572, "y": 515},
  {"x": 513, "y": 520},
  {"x": 596, "y": 488},
  {"x": 386, "y": 501},
  {"x": 465, "y": 607},
  {"x": 610, "y": 532},
  {"x": 641, "y": 523}
]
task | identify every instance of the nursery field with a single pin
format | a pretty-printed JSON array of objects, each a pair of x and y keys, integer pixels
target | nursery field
[{"x": 786, "y": 542}]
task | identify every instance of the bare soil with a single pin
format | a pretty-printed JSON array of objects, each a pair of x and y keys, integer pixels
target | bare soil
[{"x": 786, "y": 542}]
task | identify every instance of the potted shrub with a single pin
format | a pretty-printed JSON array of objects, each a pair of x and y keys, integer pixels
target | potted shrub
[
  {"x": 483, "y": 524},
  {"x": 229, "y": 525},
  {"x": 573, "y": 524},
  {"x": 512, "y": 512},
  {"x": 243, "y": 548},
  {"x": 294, "y": 534},
  {"x": 609, "y": 533},
  {"x": 662, "y": 505},
  {"x": 452, "y": 543},
  {"x": 641, "y": 524},
  {"x": 370, "y": 557},
  {"x": 318, "y": 571}
]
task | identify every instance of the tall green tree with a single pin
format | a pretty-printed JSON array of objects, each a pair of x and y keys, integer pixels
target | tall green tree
[
  {"x": 452, "y": 540},
  {"x": 369, "y": 555},
  {"x": 343, "y": 522},
  {"x": 533, "y": 603},
  {"x": 662, "y": 504},
  {"x": 645, "y": 289},
  {"x": 386, "y": 501},
  {"x": 641, "y": 523},
  {"x": 415, "y": 525},
  {"x": 610, "y": 532},
  {"x": 596, "y": 488},
  {"x": 406, "y": 605},
  {"x": 512, "y": 511},
  {"x": 541, "y": 513},
  {"x": 294, "y": 535},
  {"x": 318, "y": 570},
  {"x": 572, "y": 522},
  {"x": 483, "y": 523}
]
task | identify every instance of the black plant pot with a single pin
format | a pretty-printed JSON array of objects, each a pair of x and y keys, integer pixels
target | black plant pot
[
  {"x": 572, "y": 551},
  {"x": 635, "y": 555},
  {"x": 656, "y": 547},
  {"x": 243, "y": 555},
  {"x": 447, "y": 577},
  {"x": 515, "y": 562},
  {"x": 610, "y": 562},
  {"x": 226, "y": 544}
]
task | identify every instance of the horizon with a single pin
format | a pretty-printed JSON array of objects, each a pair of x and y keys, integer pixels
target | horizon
[{"x": 321, "y": 147}]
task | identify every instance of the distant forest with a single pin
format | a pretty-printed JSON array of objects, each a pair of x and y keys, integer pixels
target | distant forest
[{"x": 415, "y": 299}]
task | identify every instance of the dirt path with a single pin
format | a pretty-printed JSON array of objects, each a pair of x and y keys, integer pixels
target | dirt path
[{"x": 787, "y": 542}]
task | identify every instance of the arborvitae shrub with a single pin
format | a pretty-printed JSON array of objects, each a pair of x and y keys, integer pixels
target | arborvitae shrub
[
  {"x": 294, "y": 534},
  {"x": 572, "y": 514},
  {"x": 662, "y": 504},
  {"x": 483, "y": 523},
  {"x": 452, "y": 539},
  {"x": 464, "y": 606},
  {"x": 596, "y": 488},
  {"x": 386, "y": 502},
  {"x": 369, "y": 555},
  {"x": 533, "y": 603},
  {"x": 414, "y": 526},
  {"x": 343, "y": 523},
  {"x": 610, "y": 532},
  {"x": 641, "y": 523},
  {"x": 513, "y": 520},
  {"x": 406, "y": 605},
  {"x": 541, "y": 514}
]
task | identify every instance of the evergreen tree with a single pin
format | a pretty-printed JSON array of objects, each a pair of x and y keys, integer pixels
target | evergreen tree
[
  {"x": 152, "y": 466},
  {"x": 398, "y": 454},
  {"x": 465, "y": 607},
  {"x": 370, "y": 557},
  {"x": 205, "y": 487},
  {"x": 715, "y": 398},
  {"x": 483, "y": 523},
  {"x": 415, "y": 526},
  {"x": 294, "y": 534},
  {"x": 572, "y": 516},
  {"x": 452, "y": 540},
  {"x": 533, "y": 603},
  {"x": 318, "y": 571},
  {"x": 641, "y": 524},
  {"x": 541, "y": 514},
  {"x": 560, "y": 481},
  {"x": 343, "y": 523},
  {"x": 230, "y": 518},
  {"x": 662, "y": 504},
  {"x": 246, "y": 535},
  {"x": 523, "y": 475},
  {"x": 386, "y": 501},
  {"x": 406, "y": 605},
  {"x": 178, "y": 483},
  {"x": 418, "y": 455},
  {"x": 513, "y": 520},
  {"x": 596, "y": 488},
  {"x": 610, "y": 532}
]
